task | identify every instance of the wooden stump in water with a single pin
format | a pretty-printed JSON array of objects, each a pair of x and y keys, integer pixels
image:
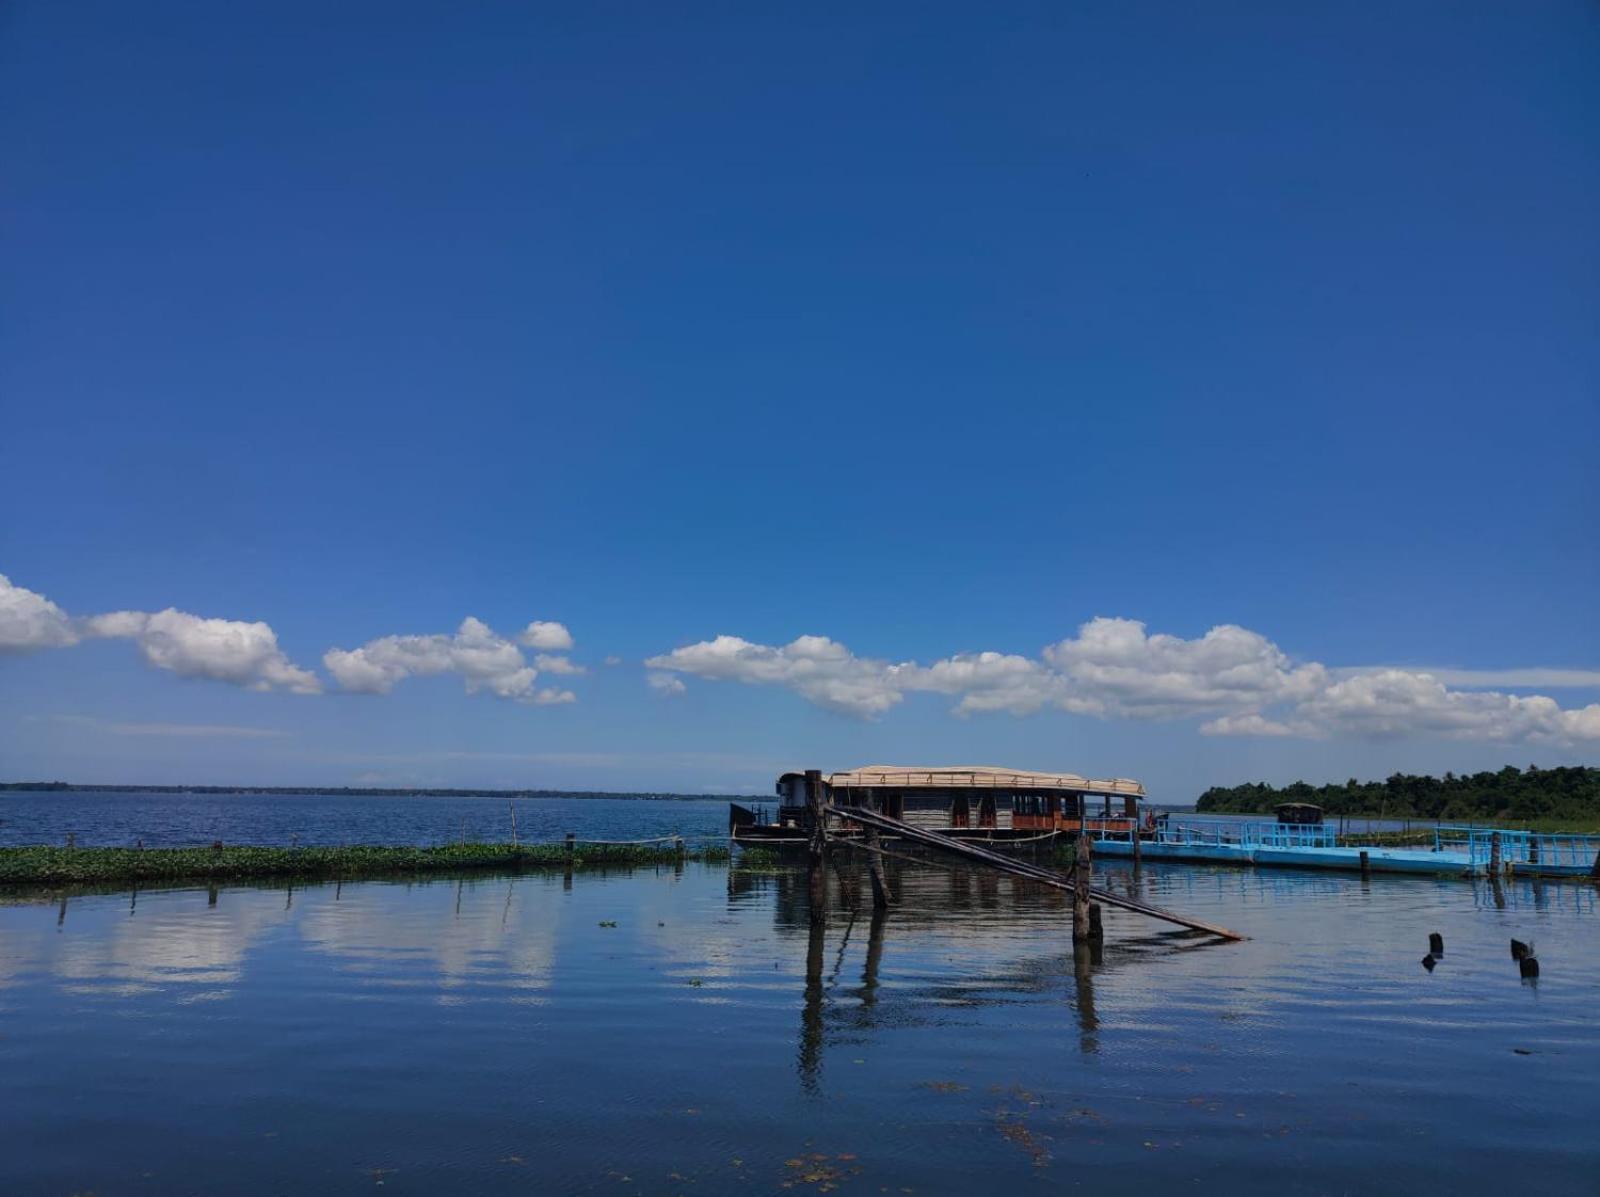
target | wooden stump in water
[
  {"x": 1082, "y": 882},
  {"x": 1436, "y": 944}
]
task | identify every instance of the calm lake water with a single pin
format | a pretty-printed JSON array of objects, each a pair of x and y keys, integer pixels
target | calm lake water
[
  {"x": 495, "y": 1034},
  {"x": 173, "y": 820}
]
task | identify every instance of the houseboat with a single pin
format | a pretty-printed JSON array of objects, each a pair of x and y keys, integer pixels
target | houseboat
[{"x": 964, "y": 801}]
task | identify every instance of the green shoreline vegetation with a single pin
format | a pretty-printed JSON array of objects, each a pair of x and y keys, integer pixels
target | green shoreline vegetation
[
  {"x": 1566, "y": 798},
  {"x": 40, "y": 864}
]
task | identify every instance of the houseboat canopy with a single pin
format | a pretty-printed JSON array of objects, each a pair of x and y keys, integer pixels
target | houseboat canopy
[
  {"x": 968, "y": 777},
  {"x": 1302, "y": 814}
]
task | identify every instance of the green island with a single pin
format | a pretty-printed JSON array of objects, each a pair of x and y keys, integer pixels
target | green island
[
  {"x": 1566, "y": 798},
  {"x": 35, "y": 865}
]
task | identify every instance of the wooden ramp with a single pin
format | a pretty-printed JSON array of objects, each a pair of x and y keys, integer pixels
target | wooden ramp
[{"x": 1019, "y": 868}]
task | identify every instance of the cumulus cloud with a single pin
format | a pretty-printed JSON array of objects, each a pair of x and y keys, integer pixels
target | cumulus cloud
[
  {"x": 1113, "y": 667},
  {"x": 553, "y": 663},
  {"x": 224, "y": 650},
  {"x": 241, "y": 652},
  {"x": 486, "y": 661},
  {"x": 665, "y": 683},
  {"x": 821, "y": 670},
  {"x": 1236, "y": 680},
  {"x": 543, "y": 634},
  {"x": 29, "y": 620},
  {"x": 1394, "y": 702}
]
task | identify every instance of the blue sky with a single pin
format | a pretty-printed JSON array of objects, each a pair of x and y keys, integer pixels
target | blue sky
[{"x": 932, "y": 331}]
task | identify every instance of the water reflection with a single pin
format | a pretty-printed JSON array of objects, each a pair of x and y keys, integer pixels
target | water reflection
[{"x": 658, "y": 1022}]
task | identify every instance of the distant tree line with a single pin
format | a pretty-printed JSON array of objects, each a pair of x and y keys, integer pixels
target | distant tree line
[
  {"x": 63, "y": 787},
  {"x": 1510, "y": 794}
]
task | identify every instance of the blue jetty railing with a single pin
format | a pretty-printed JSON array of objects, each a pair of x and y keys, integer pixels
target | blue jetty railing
[
  {"x": 1232, "y": 833},
  {"x": 1454, "y": 849},
  {"x": 1531, "y": 850}
]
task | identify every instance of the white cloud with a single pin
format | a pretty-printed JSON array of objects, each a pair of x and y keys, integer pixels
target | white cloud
[
  {"x": 1238, "y": 681},
  {"x": 1114, "y": 668},
  {"x": 1251, "y": 725},
  {"x": 29, "y": 620},
  {"x": 241, "y": 652},
  {"x": 485, "y": 660},
  {"x": 1394, "y": 702},
  {"x": 612, "y": 660},
  {"x": 552, "y": 663},
  {"x": 224, "y": 650},
  {"x": 986, "y": 681},
  {"x": 665, "y": 683},
  {"x": 1578, "y": 679},
  {"x": 821, "y": 670},
  {"x": 542, "y": 634}
]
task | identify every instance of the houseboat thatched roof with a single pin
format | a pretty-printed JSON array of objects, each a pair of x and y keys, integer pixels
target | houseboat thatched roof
[{"x": 964, "y": 777}]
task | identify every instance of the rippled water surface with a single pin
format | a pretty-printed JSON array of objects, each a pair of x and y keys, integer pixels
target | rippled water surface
[{"x": 502, "y": 1035}]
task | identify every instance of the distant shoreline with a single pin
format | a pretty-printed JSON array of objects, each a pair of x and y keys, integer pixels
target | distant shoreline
[{"x": 62, "y": 787}]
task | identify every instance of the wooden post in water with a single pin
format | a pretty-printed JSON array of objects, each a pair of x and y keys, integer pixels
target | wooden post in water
[
  {"x": 1096, "y": 931},
  {"x": 1366, "y": 865},
  {"x": 513, "y": 807},
  {"x": 817, "y": 873},
  {"x": 1594, "y": 873},
  {"x": 1136, "y": 839},
  {"x": 880, "y": 884},
  {"x": 1494, "y": 854},
  {"x": 1082, "y": 881}
]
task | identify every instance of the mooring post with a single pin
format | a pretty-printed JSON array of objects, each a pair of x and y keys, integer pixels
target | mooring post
[
  {"x": 1594, "y": 873},
  {"x": 1137, "y": 839},
  {"x": 572, "y": 847},
  {"x": 1366, "y": 865},
  {"x": 1494, "y": 854},
  {"x": 880, "y": 885},
  {"x": 513, "y": 807},
  {"x": 818, "y": 875},
  {"x": 1096, "y": 931},
  {"x": 1082, "y": 882}
]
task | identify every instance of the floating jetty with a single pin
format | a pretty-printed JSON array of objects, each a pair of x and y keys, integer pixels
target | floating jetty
[{"x": 1457, "y": 851}]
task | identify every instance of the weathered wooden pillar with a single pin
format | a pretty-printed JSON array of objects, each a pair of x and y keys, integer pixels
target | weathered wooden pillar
[
  {"x": 816, "y": 864},
  {"x": 1494, "y": 854},
  {"x": 1096, "y": 931},
  {"x": 1533, "y": 850},
  {"x": 1137, "y": 839},
  {"x": 1082, "y": 882},
  {"x": 1366, "y": 865},
  {"x": 880, "y": 883}
]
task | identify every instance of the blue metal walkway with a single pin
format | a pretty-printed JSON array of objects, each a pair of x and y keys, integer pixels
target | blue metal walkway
[{"x": 1461, "y": 851}]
